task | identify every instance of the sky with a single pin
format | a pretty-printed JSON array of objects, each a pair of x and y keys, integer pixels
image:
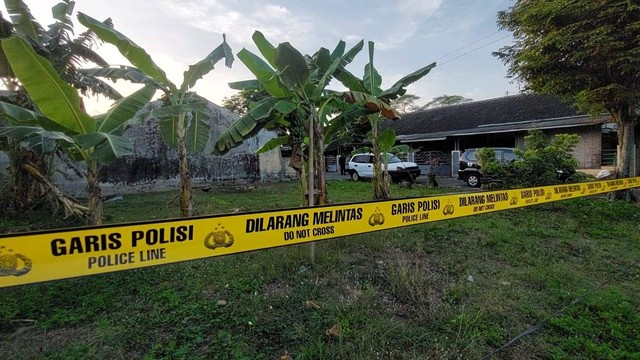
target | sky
[{"x": 459, "y": 35}]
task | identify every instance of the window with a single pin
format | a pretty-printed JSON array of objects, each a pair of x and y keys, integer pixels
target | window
[
  {"x": 361, "y": 158},
  {"x": 509, "y": 156}
]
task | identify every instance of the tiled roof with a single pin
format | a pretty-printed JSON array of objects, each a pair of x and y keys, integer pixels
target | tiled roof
[{"x": 509, "y": 112}]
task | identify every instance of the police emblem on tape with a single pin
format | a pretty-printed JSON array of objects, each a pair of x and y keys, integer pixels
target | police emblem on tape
[
  {"x": 13, "y": 264},
  {"x": 219, "y": 237}
]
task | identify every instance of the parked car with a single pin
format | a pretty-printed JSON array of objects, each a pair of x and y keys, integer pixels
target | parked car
[
  {"x": 361, "y": 167},
  {"x": 469, "y": 169}
]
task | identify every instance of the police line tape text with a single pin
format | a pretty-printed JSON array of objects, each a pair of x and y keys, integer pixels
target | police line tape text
[{"x": 113, "y": 241}]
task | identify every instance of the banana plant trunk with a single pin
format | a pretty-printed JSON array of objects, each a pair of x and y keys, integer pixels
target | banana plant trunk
[
  {"x": 320, "y": 182},
  {"x": 380, "y": 183},
  {"x": 186, "y": 196},
  {"x": 95, "y": 193},
  {"x": 296, "y": 162},
  {"x": 25, "y": 190}
]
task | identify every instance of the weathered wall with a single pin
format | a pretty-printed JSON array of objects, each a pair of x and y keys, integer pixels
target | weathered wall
[
  {"x": 154, "y": 166},
  {"x": 589, "y": 149}
]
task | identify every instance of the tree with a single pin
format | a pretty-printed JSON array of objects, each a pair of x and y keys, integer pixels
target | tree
[
  {"x": 446, "y": 100},
  {"x": 184, "y": 116},
  {"x": 57, "y": 46},
  {"x": 298, "y": 103},
  {"x": 369, "y": 88},
  {"x": 65, "y": 53},
  {"x": 585, "y": 51},
  {"x": 61, "y": 119},
  {"x": 240, "y": 103},
  {"x": 406, "y": 103}
]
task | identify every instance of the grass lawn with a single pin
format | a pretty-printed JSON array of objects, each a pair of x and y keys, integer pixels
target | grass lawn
[{"x": 553, "y": 281}]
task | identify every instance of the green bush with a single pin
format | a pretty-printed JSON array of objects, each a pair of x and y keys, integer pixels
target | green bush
[{"x": 538, "y": 164}]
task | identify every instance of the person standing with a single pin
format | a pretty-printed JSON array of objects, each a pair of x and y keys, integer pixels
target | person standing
[{"x": 341, "y": 163}]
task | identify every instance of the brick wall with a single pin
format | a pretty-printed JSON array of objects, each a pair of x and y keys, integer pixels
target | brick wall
[{"x": 589, "y": 149}]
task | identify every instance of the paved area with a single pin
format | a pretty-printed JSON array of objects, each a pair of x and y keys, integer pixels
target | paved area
[{"x": 443, "y": 181}]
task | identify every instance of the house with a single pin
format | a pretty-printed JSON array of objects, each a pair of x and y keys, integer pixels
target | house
[{"x": 447, "y": 131}]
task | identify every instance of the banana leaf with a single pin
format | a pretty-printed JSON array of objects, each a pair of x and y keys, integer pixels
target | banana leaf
[
  {"x": 124, "y": 109},
  {"x": 265, "y": 47},
  {"x": 198, "y": 132},
  {"x": 371, "y": 103},
  {"x": 20, "y": 133},
  {"x": 273, "y": 144},
  {"x": 204, "y": 66},
  {"x": 372, "y": 78},
  {"x": 17, "y": 115},
  {"x": 168, "y": 131},
  {"x": 108, "y": 147},
  {"x": 130, "y": 50},
  {"x": 22, "y": 19},
  {"x": 121, "y": 72},
  {"x": 333, "y": 68},
  {"x": 56, "y": 99},
  {"x": 292, "y": 66},
  {"x": 246, "y": 126},
  {"x": 246, "y": 85},
  {"x": 166, "y": 112},
  {"x": 263, "y": 72},
  {"x": 399, "y": 88}
]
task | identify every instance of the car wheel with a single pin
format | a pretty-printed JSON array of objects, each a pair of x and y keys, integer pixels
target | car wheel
[
  {"x": 473, "y": 180},
  {"x": 355, "y": 176}
]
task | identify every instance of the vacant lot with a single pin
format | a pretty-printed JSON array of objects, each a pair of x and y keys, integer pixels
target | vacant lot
[{"x": 552, "y": 281}]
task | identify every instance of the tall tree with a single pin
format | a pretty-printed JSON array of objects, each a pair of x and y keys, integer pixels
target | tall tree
[
  {"x": 184, "y": 116},
  {"x": 446, "y": 100},
  {"x": 369, "y": 88},
  {"x": 57, "y": 45},
  {"x": 585, "y": 51},
  {"x": 406, "y": 103},
  {"x": 61, "y": 118},
  {"x": 240, "y": 103},
  {"x": 298, "y": 102},
  {"x": 66, "y": 53}
]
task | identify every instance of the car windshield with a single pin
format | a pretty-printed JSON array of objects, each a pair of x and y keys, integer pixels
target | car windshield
[{"x": 392, "y": 159}]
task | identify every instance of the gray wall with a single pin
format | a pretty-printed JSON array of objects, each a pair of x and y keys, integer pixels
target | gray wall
[{"x": 154, "y": 166}]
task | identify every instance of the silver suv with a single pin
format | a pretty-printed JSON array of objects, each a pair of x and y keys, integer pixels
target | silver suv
[{"x": 361, "y": 166}]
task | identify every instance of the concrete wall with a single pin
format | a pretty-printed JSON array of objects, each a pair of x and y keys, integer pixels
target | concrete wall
[{"x": 154, "y": 166}]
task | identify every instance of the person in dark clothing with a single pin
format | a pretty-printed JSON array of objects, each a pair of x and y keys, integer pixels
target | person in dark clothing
[{"x": 341, "y": 162}]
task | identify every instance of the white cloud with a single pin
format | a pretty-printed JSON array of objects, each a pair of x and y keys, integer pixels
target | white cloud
[
  {"x": 239, "y": 23},
  {"x": 417, "y": 8}
]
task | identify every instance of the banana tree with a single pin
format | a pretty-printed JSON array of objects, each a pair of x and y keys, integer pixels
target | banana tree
[
  {"x": 57, "y": 43},
  {"x": 184, "y": 117},
  {"x": 62, "y": 119},
  {"x": 369, "y": 86},
  {"x": 298, "y": 104}
]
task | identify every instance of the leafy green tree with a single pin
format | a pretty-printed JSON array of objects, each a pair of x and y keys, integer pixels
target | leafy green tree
[
  {"x": 57, "y": 45},
  {"x": 240, "y": 103},
  {"x": 446, "y": 100},
  {"x": 585, "y": 51},
  {"x": 66, "y": 53},
  {"x": 369, "y": 88},
  {"x": 60, "y": 118},
  {"x": 184, "y": 116},
  {"x": 406, "y": 103},
  {"x": 298, "y": 101}
]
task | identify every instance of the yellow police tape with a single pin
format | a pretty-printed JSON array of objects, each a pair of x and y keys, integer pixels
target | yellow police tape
[{"x": 51, "y": 255}]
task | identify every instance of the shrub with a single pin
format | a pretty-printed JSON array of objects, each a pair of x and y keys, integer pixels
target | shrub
[{"x": 544, "y": 161}]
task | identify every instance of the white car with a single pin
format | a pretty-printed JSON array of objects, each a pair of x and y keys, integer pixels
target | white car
[{"x": 361, "y": 167}]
